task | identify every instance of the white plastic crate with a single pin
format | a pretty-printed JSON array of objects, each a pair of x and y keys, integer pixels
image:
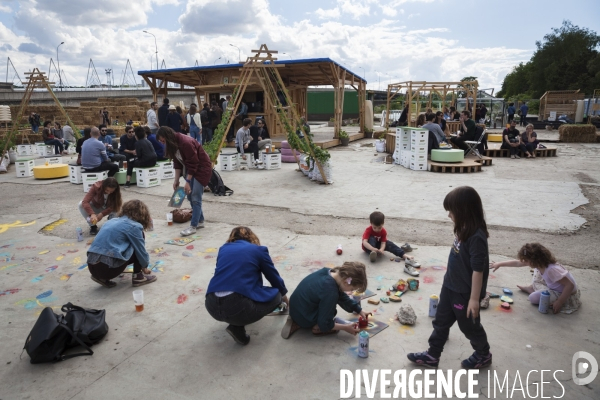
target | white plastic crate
[
  {"x": 148, "y": 182},
  {"x": 44, "y": 150},
  {"x": 167, "y": 174},
  {"x": 75, "y": 174},
  {"x": 25, "y": 150},
  {"x": 403, "y": 137},
  {"x": 147, "y": 173},
  {"x": 418, "y": 158},
  {"x": 89, "y": 178},
  {"x": 418, "y": 166},
  {"x": 24, "y": 168},
  {"x": 53, "y": 160},
  {"x": 228, "y": 162},
  {"x": 271, "y": 160},
  {"x": 165, "y": 165}
]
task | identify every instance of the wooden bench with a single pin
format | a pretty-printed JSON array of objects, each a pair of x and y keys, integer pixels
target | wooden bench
[
  {"x": 466, "y": 166},
  {"x": 494, "y": 150}
]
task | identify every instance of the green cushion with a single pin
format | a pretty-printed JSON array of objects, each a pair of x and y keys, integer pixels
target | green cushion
[
  {"x": 451, "y": 155},
  {"x": 121, "y": 176}
]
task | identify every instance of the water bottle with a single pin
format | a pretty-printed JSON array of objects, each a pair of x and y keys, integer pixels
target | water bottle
[
  {"x": 79, "y": 234},
  {"x": 544, "y": 302},
  {"x": 363, "y": 344}
]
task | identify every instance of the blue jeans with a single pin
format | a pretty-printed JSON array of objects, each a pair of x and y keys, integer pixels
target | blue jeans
[
  {"x": 195, "y": 133},
  {"x": 389, "y": 246},
  {"x": 195, "y": 198},
  {"x": 58, "y": 146},
  {"x": 206, "y": 134}
]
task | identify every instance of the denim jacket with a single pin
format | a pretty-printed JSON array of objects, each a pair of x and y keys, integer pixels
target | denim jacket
[{"x": 120, "y": 238}]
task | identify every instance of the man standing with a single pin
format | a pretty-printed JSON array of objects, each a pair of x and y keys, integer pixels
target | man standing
[
  {"x": 468, "y": 131},
  {"x": 163, "y": 111},
  {"x": 104, "y": 117},
  {"x": 34, "y": 120},
  {"x": 524, "y": 109},
  {"x": 151, "y": 118},
  {"x": 106, "y": 140},
  {"x": 127, "y": 143},
  {"x": 94, "y": 157},
  {"x": 206, "y": 120},
  {"x": 217, "y": 114},
  {"x": 511, "y": 111}
]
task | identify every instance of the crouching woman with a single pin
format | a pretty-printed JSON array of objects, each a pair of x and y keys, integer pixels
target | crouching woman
[{"x": 119, "y": 243}]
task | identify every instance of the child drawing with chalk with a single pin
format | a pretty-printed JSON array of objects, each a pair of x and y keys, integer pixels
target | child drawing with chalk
[
  {"x": 375, "y": 242},
  {"x": 313, "y": 303},
  {"x": 464, "y": 284},
  {"x": 547, "y": 275}
]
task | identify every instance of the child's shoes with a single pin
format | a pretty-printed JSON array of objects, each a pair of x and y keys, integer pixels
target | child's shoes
[
  {"x": 477, "y": 361},
  {"x": 412, "y": 263},
  {"x": 423, "y": 359},
  {"x": 409, "y": 269},
  {"x": 373, "y": 256},
  {"x": 406, "y": 247}
]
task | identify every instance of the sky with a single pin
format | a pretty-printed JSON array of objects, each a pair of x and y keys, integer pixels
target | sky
[{"x": 383, "y": 41}]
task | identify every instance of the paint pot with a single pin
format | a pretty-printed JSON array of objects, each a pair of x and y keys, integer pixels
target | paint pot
[
  {"x": 544, "y": 302},
  {"x": 138, "y": 299},
  {"x": 363, "y": 344},
  {"x": 169, "y": 219},
  {"x": 363, "y": 322},
  {"x": 339, "y": 250},
  {"x": 79, "y": 234},
  {"x": 413, "y": 284},
  {"x": 434, "y": 300}
]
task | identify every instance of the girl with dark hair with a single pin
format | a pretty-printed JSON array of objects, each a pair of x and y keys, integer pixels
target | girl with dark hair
[
  {"x": 50, "y": 140},
  {"x": 122, "y": 242},
  {"x": 548, "y": 275},
  {"x": 103, "y": 199},
  {"x": 464, "y": 284},
  {"x": 235, "y": 293},
  {"x": 191, "y": 161},
  {"x": 313, "y": 304}
]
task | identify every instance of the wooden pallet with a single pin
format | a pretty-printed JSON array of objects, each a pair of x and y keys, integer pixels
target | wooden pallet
[
  {"x": 494, "y": 150},
  {"x": 465, "y": 166}
]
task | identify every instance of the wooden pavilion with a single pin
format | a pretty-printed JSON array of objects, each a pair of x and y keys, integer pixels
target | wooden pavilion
[{"x": 210, "y": 83}]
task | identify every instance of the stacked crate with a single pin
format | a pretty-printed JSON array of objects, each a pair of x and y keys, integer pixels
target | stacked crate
[
  {"x": 402, "y": 151},
  {"x": 228, "y": 162},
  {"x": 89, "y": 178},
  {"x": 419, "y": 140},
  {"x": 24, "y": 167},
  {"x": 148, "y": 177},
  {"x": 167, "y": 171}
]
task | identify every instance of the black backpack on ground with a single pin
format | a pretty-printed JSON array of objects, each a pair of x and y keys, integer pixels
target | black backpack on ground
[
  {"x": 217, "y": 186},
  {"x": 53, "y": 333}
]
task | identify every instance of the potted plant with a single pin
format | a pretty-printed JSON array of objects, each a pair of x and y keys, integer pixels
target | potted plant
[
  {"x": 380, "y": 142},
  {"x": 331, "y": 122},
  {"x": 344, "y": 138},
  {"x": 368, "y": 133}
]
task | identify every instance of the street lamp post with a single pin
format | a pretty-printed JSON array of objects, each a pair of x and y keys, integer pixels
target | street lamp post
[
  {"x": 59, "y": 75},
  {"x": 287, "y": 55},
  {"x": 217, "y": 60},
  {"x": 239, "y": 53},
  {"x": 155, "y": 47}
]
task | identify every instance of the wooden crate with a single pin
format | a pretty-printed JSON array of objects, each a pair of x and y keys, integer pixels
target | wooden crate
[{"x": 466, "y": 166}]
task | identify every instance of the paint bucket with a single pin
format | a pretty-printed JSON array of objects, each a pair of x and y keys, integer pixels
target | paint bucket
[
  {"x": 433, "y": 304},
  {"x": 79, "y": 234},
  {"x": 363, "y": 344},
  {"x": 544, "y": 302}
]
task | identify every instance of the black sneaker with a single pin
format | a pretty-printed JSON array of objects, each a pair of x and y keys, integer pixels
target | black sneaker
[
  {"x": 423, "y": 359},
  {"x": 93, "y": 230},
  {"x": 477, "y": 361},
  {"x": 127, "y": 185},
  {"x": 238, "y": 333}
]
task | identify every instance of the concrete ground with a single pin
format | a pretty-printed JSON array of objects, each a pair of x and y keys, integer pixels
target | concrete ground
[{"x": 174, "y": 349}]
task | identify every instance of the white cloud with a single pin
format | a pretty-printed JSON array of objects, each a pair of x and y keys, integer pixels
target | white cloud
[
  {"x": 333, "y": 13},
  {"x": 6, "y": 9}
]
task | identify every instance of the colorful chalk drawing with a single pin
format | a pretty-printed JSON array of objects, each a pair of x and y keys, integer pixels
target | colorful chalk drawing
[
  {"x": 72, "y": 251},
  {"x": 66, "y": 277},
  {"x": 163, "y": 254},
  {"x": 60, "y": 257},
  {"x": 190, "y": 247},
  {"x": 406, "y": 330},
  {"x": 66, "y": 245},
  {"x": 439, "y": 267},
  {"x": 179, "y": 241},
  {"x": 185, "y": 278},
  {"x": 182, "y": 298},
  {"x": 16, "y": 224},
  {"x": 208, "y": 257},
  {"x": 37, "y": 279},
  {"x": 9, "y": 291},
  {"x": 84, "y": 266},
  {"x": 197, "y": 290},
  {"x": 40, "y": 300},
  {"x": 158, "y": 250},
  {"x": 52, "y": 268},
  {"x": 289, "y": 247},
  {"x": 6, "y": 246},
  {"x": 157, "y": 266},
  {"x": 288, "y": 268},
  {"x": 76, "y": 260},
  {"x": 278, "y": 258},
  {"x": 6, "y": 257},
  {"x": 428, "y": 279},
  {"x": 44, "y": 252},
  {"x": 211, "y": 250},
  {"x": 50, "y": 227},
  {"x": 26, "y": 248}
]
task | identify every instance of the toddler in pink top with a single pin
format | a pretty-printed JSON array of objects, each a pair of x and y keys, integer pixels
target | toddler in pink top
[{"x": 548, "y": 275}]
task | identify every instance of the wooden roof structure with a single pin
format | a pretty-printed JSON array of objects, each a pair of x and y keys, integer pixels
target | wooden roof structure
[
  {"x": 442, "y": 89},
  {"x": 560, "y": 102},
  {"x": 297, "y": 75}
]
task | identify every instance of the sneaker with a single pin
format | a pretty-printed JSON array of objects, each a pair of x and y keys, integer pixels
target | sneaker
[
  {"x": 412, "y": 263},
  {"x": 238, "y": 333},
  {"x": 410, "y": 270},
  {"x": 512, "y": 156},
  {"x": 406, "y": 248},
  {"x": 477, "y": 361},
  {"x": 200, "y": 225},
  {"x": 516, "y": 156},
  {"x": 93, "y": 230},
  {"x": 423, "y": 359},
  {"x": 189, "y": 231},
  {"x": 373, "y": 256},
  {"x": 127, "y": 185},
  {"x": 140, "y": 279},
  {"x": 289, "y": 328}
]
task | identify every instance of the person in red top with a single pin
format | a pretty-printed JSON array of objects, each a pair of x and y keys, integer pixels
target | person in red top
[
  {"x": 103, "y": 198},
  {"x": 375, "y": 242},
  {"x": 189, "y": 159}
]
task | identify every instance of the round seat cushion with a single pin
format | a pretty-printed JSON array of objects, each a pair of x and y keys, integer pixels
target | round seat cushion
[
  {"x": 51, "y": 171},
  {"x": 285, "y": 145},
  {"x": 449, "y": 156},
  {"x": 288, "y": 159}
]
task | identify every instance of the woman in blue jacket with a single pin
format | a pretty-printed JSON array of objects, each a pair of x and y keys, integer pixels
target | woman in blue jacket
[
  {"x": 236, "y": 294},
  {"x": 119, "y": 243}
]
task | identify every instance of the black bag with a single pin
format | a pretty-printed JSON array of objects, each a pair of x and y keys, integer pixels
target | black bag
[
  {"x": 217, "y": 186},
  {"x": 48, "y": 339},
  {"x": 87, "y": 324}
]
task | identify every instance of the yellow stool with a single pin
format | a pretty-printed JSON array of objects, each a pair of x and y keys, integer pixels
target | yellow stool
[
  {"x": 51, "y": 171},
  {"x": 494, "y": 137}
]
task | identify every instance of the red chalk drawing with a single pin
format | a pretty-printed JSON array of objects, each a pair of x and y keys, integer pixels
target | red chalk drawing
[
  {"x": 190, "y": 247},
  {"x": 492, "y": 276},
  {"x": 207, "y": 257},
  {"x": 428, "y": 279},
  {"x": 72, "y": 251},
  {"x": 9, "y": 291},
  {"x": 439, "y": 267},
  {"x": 182, "y": 298},
  {"x": 197, "y": 290},
  {"x": 52, "y": 268}
]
